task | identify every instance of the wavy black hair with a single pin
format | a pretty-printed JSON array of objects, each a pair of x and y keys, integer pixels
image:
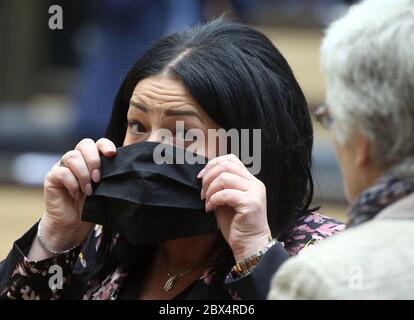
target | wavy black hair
[{"x": 241, "y": 81}]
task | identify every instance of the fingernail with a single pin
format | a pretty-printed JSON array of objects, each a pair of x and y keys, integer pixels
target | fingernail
[
  {"x": 88, "y": 189},
  {"x": 96, "y": 175},
  {"x": 201, "y": 194},
  {"x": 201, "y": 173},
  {"x": 108, "y": 151}
]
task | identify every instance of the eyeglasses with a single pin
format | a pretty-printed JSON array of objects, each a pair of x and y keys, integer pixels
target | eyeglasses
[{"x": 323, "y": 116}]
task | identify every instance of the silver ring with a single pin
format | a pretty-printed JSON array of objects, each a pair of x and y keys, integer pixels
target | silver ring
[{"x": 61, "y": 163}]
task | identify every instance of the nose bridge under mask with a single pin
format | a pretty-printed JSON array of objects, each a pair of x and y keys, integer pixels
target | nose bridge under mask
[{"x": 147, "y": 202}]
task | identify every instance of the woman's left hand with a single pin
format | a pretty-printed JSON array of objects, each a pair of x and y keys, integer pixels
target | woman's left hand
[{"x": 239, "y": 202}]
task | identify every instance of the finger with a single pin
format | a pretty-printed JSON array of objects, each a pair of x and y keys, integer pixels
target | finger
[
  {"x": 75, "y": 162},
  {"x": 70, "y": 182},
  {"x": 90, "y": 154},
  {"x": 227, "y": 197},
  {"x": 221, "y": 167},
  {"x": 62, "y": 176},
  {"x": 106, "y": 147},
  {"x": 226, "y": 180},
  {"x": 213, "y": 162}
]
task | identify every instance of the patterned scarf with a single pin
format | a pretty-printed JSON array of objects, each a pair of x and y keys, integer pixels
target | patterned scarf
[{"x": 387, "y": 190}]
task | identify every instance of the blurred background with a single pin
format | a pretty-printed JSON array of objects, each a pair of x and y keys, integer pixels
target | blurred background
[{"x": 57, "y": 85}]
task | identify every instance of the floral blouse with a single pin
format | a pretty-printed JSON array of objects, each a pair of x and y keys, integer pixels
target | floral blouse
[{"x": 23, "y": 279}]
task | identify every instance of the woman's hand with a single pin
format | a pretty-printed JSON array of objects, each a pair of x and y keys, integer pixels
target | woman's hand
[
  {"x": 239, "y": 202},
  {"x": 65, "y": 188}
]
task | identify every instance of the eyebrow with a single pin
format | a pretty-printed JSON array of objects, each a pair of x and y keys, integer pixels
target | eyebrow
[
  {"x": 139, "y": 106},
  {"x": 182, "y": 113},
  {"x": 171, "y": 113}
]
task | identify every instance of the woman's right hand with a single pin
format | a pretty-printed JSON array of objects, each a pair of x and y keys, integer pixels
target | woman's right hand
[{"x": 65, "y": 188}]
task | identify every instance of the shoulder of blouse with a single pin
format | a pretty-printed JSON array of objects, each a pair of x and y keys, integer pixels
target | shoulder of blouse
[{"x": 309, "y": 230}]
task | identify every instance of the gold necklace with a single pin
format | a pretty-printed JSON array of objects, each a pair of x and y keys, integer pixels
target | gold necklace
[{"x": 169, "y": 284}]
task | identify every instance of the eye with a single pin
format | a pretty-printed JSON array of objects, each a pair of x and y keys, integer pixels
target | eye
[
  {"x": 136, "y": 127},
  {"x": 181, "y": 134},
  {"x": 188, "y": 137}
]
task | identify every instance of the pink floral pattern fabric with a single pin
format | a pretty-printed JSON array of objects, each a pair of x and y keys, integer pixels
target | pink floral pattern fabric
[
  {"x": 30, "y": 280},
  {"x": 309, "y": 230}
]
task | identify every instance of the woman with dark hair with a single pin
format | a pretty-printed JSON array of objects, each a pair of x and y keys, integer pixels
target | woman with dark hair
[{"x": 221, "y": 75}]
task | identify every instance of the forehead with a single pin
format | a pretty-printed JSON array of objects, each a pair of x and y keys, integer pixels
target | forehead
[{"x": 161, "y": 89}]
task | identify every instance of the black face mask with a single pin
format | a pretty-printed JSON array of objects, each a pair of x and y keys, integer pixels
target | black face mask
[{"x": 148, "y": 203}]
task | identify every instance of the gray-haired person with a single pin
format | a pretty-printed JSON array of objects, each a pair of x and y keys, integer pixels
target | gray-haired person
[{"x": 368, "y": 60}]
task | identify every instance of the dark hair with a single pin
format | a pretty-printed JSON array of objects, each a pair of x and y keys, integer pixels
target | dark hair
[{"x": 242, "y": 81}]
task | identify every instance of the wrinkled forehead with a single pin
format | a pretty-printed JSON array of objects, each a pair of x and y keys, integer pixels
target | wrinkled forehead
[{"x": 161, "y": 91}]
